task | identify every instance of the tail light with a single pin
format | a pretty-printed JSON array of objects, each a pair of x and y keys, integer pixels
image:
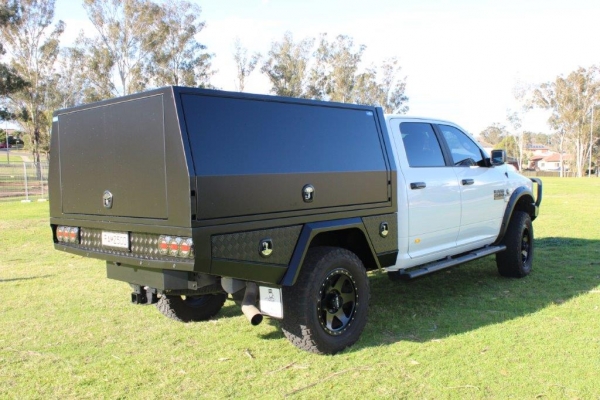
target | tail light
[
  {"x": 67, "y": 234},
  {"x": 163, "y": 245},
  {"x": 176, "y": 246},
  {"x": 185, "y": 248}
]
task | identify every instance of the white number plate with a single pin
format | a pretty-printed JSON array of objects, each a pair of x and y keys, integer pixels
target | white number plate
[
  {"x": 115, "y": 239},
  {"x": 270, "y": 301}
]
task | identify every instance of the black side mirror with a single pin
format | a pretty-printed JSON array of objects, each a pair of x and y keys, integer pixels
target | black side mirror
[{"x": 498, "y": 157}]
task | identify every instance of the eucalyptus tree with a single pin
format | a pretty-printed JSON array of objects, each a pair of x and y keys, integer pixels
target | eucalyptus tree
[
  {"x": 32, "y": 42},
  {"x": 514, "y": 118},
  {"x": 333, "y": 71},
  {"x": 245, "y": 64},
  {"x": 129, "y": 32},
  {"x": 287, "y": 66},
  {"x": 383, "y": 87},
  {"x": 494, "y": 133},
  {"x": 10, "y": 81},
  {"x": 336, "y": 64},
  {"x": 180, "y": 59},
  {"x": 571, "y": 100}
]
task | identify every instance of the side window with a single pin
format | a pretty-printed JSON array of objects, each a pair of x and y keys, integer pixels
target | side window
[
  {"x": 421, "y": 145},
  {"x": 464, "y": 151}
]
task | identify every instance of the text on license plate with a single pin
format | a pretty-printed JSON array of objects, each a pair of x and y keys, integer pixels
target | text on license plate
[{"x": 115, "y": 239}]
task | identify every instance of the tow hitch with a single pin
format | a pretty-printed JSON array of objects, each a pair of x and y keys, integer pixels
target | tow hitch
[{"x": 143, "y": 295}]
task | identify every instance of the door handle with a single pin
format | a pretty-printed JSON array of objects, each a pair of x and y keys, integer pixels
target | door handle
[
  {"x": 418, "y": 185},
  {"x": 467, "y": 182}
]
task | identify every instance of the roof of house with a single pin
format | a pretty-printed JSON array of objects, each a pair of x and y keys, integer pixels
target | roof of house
[
  {"x": 555, "y": 157},
  {"x": 536, "y": 146}
]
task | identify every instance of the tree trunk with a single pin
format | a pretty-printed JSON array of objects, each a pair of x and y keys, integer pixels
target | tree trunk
[{"x": 36, "y": 153}]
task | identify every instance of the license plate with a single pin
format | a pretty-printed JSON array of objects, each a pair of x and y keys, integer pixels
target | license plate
[{"x": 115, "y": 239}]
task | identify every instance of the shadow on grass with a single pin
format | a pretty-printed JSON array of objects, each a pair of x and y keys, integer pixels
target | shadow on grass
[
  {"x": 473, "y": 295},
  {"x": 28, "y": 278}
]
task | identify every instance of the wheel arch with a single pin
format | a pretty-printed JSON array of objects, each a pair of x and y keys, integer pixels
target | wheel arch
[
  {"x": 349, "y": 234},
  {"x": 521, "y": 200}
]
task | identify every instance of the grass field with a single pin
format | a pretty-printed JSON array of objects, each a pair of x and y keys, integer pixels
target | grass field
[
  {"x": 68, "y": 332},
  {"x": 12, "y": 158}
]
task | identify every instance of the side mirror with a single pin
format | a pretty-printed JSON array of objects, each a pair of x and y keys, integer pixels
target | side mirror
[{"x": 498, "y": 157}]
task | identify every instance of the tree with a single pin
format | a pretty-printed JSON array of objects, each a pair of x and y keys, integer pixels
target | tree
[
  {"x": 244, "y": 65},
  {"x": 287, "y": 66},
  {"x": 130, "y": 32},
  {"x": 333, "y": 76},
  {"x": 33, "y": 45},
  {"x": 388, "y": 93},
  {"x": 333, "y": 73},
  {"x": 570, "y": 100},
  {"x": 494, "y": 134},
  {"x": 514, "y": 118},
  {"x": 509, "y": 145},
  {"x": 181, "y": 59},
  {"x": 10, "y": 81}
]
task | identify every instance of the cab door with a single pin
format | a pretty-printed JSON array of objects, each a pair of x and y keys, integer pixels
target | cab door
[
  {"x": 433, "y": 193},
  {"x": 482, "y": 188}
]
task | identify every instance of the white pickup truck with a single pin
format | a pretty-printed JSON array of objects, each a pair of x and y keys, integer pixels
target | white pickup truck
[{"x": 191, "y": 195}]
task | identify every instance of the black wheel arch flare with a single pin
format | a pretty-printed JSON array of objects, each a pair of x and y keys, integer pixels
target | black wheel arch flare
[{"x": 521, "y": 199}]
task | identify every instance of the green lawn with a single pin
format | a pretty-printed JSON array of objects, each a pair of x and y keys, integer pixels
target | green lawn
[
  {"x": 68, "y": 332},
  {"x": 4, "y": 158}
]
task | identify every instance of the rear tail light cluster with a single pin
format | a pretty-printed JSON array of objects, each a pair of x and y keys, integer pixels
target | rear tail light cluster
[
  {"x": 67, "y": 234},
  {"x": 176, "y": 246}
]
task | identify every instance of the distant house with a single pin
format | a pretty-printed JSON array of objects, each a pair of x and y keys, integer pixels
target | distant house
[
  {"x": 538, "y": 153},
  {"x": 536, "y": 148},
  {"x": 534, "y": 161},
  {"x": 552, "y": 162}
]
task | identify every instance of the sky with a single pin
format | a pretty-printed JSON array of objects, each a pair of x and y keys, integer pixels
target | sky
[{"x": 462, "y": 59}]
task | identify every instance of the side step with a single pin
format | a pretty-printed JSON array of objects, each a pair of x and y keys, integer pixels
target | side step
[{"x": 444, "y": 263}]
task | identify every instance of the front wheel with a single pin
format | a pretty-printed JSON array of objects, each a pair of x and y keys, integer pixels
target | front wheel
[
  {"x": 517, "y": 260},
  {"x": 191, "y": 308},
  {"x": 326, "y": 310}
]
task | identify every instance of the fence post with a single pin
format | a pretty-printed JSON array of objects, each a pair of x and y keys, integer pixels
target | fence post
[
  {"x": 42, "y": 183},
  {"x": 26, "y": 188}
]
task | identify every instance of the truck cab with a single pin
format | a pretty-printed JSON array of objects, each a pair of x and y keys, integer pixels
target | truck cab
[{"x": 451, "y": 194}]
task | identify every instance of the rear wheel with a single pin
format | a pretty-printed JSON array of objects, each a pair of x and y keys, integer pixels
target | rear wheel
[
  {"x": 326, "y": 310},
  {"x": 191, "y": 308},
  {"x": 517, "y": 260}
]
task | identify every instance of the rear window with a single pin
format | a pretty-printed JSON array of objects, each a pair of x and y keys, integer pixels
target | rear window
[
  {"x": 421, "y": 145},
  {"x": 251, "y": 136}
]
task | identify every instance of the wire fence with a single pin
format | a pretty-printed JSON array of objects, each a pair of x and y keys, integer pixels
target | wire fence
[{"x": 25, "y": 181}]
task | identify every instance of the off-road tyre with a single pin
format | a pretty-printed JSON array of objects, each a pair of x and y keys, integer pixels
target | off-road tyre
[
  {"x": 191, "y": 309},
  {"x": 326, "y": 309},
  {"x": 517, "y": 260}
]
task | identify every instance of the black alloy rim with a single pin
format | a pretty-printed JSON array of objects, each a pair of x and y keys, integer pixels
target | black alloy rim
[
  {"x": 338, "y": 299},
  {"x": 525, "y": 246}
]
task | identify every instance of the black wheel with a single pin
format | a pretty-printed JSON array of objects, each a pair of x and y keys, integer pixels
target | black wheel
[
  {"x": 326, "y": 310},
  {"x": 516, "y": 261},
  {"x": 191, "y": 308}
]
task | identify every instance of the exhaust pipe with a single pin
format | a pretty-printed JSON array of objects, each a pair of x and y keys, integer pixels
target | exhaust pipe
[{"x": 249, "y": 304}]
